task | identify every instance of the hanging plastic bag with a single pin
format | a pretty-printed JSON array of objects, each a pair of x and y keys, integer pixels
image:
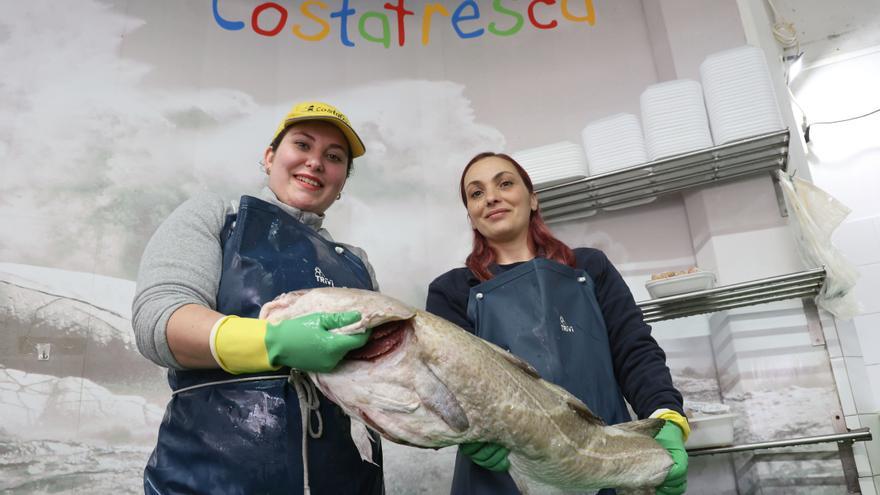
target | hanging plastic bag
[{"x": 815, "y": 215}]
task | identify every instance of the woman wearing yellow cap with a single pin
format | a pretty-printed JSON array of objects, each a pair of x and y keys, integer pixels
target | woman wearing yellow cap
[{"x": 235, "y": 423}]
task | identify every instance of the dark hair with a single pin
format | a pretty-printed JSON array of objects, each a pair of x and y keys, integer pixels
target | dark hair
[
  {"x": 540, "y": 237},
  {"x": 277, "y": 142}
]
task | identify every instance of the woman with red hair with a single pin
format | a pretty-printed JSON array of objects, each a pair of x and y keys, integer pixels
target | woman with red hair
[{"x": 567, "y": 312}]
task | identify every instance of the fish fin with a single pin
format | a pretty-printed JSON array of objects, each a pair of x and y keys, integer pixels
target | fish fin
[
  {"x": 362, "y": 440},
  {"x": 583, "y": 411},
  {"x": 648, "y": 427},
  {"x": 437, "y": 397},
  {"x": 516, "y": 361}
]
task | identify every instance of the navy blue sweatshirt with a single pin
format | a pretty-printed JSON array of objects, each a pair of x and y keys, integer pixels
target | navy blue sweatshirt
[{"x": 639, "y": 362}]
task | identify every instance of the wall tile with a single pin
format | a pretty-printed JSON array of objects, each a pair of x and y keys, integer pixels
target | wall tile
[
  {"x": 863, "y": 465},
  {"x": 872, "y": 421},
  {"x": 831, "y": 333},
  {"x": 867, "y": 329},
  {"x": 868, "y": 486},
  {"x": 844, "y": 389},
  {"x": 746, "y": 256},
  {"x": 853, "y": 422},
  {"x": 862, "y": 392},
  {"x": 850, "y": 344},
  {"x": 860, "y": 451},
  {"x": 859, "y": 241},
  {"x": 867, "y": 288},
  {"x": 872, "y": 373}
]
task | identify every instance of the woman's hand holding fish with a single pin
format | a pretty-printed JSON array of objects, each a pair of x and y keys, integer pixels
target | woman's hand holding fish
[
  {"x": 489, "y": 456},
  {"x": 671, "y": 438},
  {"x": 249, "y": 345}
]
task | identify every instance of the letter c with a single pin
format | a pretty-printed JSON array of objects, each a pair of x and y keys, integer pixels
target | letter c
[
  {"x": 550, "y": 25},
  {"x": 227, "y": 25}
]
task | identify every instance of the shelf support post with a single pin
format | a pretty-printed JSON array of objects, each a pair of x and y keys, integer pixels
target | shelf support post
[
  {"x": 847, "y": 456},
  {"x": 780, "y": 198}
]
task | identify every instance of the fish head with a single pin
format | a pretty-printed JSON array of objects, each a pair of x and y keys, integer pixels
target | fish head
[
  {"x": 386, "y": 316},
  {"x": 385, "y": 384}
]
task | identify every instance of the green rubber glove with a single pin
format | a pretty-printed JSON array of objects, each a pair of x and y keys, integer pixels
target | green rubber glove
[
  {"x": 250, "y": 345},
  {"x": 671, "y": 438},
  {"x": 487, "y": 455}
]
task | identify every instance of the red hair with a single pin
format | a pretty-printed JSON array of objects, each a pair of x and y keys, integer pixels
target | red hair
[{"x": 540, "y": 237}]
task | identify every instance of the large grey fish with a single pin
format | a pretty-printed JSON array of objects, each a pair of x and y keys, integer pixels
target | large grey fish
[{"x": 425, "y": 382}]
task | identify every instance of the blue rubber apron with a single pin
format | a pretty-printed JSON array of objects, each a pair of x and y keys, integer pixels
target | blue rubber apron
[
  {"x": 546, "y": 313},
  {"x": 242, "y": 434}
]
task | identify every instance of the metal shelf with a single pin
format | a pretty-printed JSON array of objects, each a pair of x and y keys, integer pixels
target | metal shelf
[
  {"x": 638, "y": 184},
  {"x": 791, "y": 286},
  {"x": 857, "y": 435}
]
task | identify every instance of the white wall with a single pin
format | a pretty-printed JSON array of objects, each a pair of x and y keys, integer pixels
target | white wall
[{"x": 843, "y": 157}]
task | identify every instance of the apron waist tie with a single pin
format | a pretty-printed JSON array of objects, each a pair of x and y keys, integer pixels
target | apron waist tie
[
  {"x": 223, "y": 382},
  {"x": 308, "y": 404}
]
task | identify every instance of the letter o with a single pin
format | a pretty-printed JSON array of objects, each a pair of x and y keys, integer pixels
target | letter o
[{"x": 259, "y": 10}]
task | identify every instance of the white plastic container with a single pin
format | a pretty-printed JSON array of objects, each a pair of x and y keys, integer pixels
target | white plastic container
[
  {"x": 613, "y": 143},
  {"x": 674, "y": 118},
  {"x": 739, "y": 94},
  {"x": 553, "y": 163},
  {"x": 617, "y": 142},
  {"x": 680, "y": 284},
  {"x": 714, "y": 430}
]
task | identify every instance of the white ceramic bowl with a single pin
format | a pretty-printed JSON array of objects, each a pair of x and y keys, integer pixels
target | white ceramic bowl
[{"x": 680, "y": 284}]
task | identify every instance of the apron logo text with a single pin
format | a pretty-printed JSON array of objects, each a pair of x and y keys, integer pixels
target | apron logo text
[
  {"x": 565, "y": 326},
  {"x": 319, "y": 276}
]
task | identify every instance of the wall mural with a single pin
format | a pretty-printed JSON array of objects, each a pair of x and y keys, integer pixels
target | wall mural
[{"x": 114, "y": 113}]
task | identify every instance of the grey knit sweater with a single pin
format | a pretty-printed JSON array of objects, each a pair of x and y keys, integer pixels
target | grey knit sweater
[{"x": 182, "y": 263}]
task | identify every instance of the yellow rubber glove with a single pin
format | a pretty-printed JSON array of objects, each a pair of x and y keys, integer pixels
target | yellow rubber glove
[{"x": 250, "y": 345}]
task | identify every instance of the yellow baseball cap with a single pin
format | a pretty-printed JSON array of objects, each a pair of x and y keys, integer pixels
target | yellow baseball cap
[{"x": 316, "y": 110}]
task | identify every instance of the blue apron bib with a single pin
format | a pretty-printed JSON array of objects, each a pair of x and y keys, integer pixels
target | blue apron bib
[
  {"x": 242, "y": 434},
  {"x": 547, "y": 314}
]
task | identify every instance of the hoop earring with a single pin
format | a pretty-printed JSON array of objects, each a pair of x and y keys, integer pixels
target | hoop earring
[{"x": 339, "y": 196}]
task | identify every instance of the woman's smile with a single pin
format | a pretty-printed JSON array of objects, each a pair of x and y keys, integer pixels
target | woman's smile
[
  {"x": 497, "y": 214},
  {"x": 311, "y": 183}
]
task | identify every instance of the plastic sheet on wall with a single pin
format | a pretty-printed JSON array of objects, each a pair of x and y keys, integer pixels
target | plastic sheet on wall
[{"x": 816, "y": 214}]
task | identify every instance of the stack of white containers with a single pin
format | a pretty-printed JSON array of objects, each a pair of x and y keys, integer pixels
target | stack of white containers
[
  {"x": 675, "y": 119},
  {"x": 739, "y": 94},
  {"x": 553, "y": 163},
  {"x": 613, "y": 143}
]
